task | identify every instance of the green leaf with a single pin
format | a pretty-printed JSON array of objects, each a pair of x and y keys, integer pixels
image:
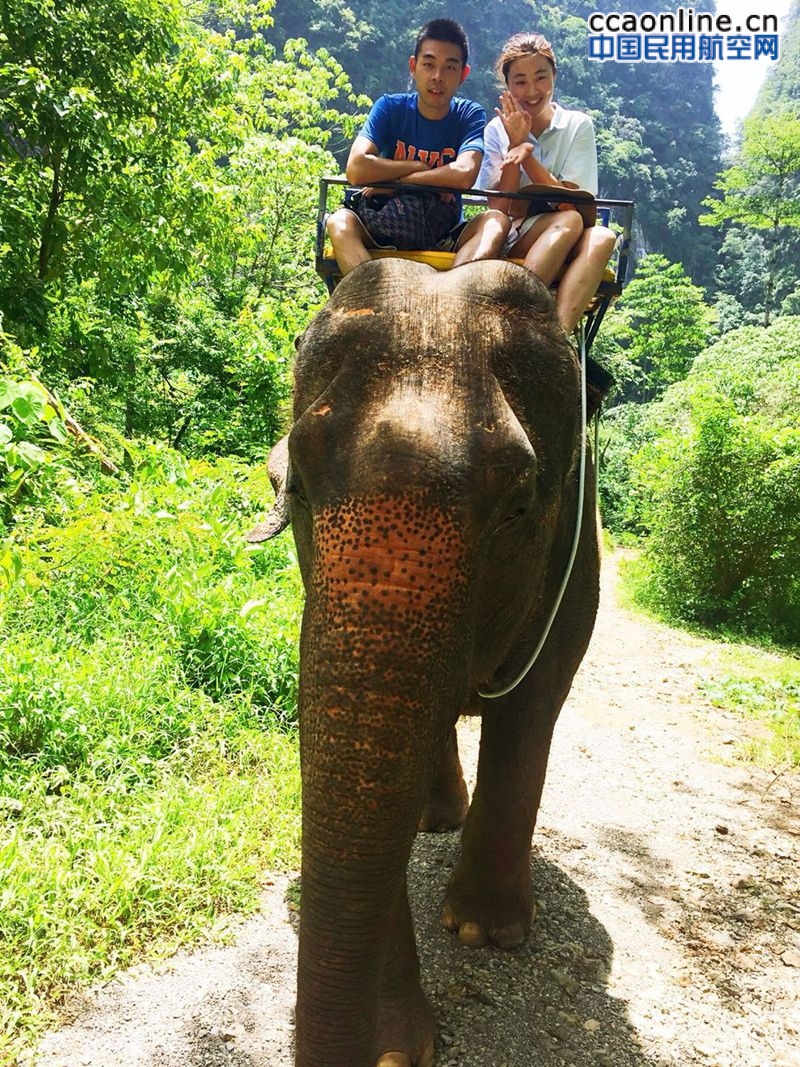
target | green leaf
[
  {"x": 58, "y": 430},
  {"x": 26, "y": 456},
  {"x": 24, "y": 410},
  {"x": 8, "y": 393}
]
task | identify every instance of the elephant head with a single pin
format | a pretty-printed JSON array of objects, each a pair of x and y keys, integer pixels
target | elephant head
[{"x": 430, "y": 479}]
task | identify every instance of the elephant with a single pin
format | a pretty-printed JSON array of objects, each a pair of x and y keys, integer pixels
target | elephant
[{"x": 431, "y": 477}]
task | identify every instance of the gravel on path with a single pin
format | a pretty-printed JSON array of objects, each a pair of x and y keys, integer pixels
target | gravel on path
[{"x": 668, "y": 886}]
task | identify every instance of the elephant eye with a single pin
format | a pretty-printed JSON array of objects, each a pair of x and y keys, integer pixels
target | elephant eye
[
  {"x": 296, "y": 489},
  {"x": 511, "y": 518}
]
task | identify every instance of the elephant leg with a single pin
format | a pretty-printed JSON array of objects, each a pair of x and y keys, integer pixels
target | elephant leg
[
  {"x": 448, "y": 800},
  {"x": 490, "y": 897},
  {"x": 405, "y": 1029}
]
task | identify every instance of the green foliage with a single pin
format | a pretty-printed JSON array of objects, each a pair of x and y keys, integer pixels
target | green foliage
[
  {"x": 27, "y": 413},
  {"x": 166, "y": 560},
  {"x": 775, "y": 702},
  {"x": 761, "y": 188},
  {"x": 781, "y": 88},
  {"x": 158, "y": 186},
  {"x": 761, "y": 192},
  {"x": 719, "y": 488},
  {"x": 148, "y": 676},
  {"x": 656, "y": 330},
  {"x": 33, "y": 446},
  {"x": 624, "y": 430},
  {"x": 98, "y": 872}
]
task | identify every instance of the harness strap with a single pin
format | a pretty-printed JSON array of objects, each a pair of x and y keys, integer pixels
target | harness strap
[{"x": 575, "y": 540}]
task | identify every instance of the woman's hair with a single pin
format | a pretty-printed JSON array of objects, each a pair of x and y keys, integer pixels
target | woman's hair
[{"x": 521, "y": 45}]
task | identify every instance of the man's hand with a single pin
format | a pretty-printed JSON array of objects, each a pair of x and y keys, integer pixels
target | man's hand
[{"x": 369, "y": 192}]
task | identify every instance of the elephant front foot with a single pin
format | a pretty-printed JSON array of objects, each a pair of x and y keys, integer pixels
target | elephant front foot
[
  {"x": 406, "y": 1031},
  {"x": 402, "y": 1059},
  {"x": 480, "y": 913}
]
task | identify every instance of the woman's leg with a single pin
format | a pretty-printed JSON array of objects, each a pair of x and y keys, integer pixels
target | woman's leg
[
  {"x": 546, "y": 245},
  {"x": 583, "y": 274}
]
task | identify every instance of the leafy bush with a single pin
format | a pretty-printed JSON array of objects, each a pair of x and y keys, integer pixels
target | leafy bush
[
  {"x": 29, "y": 428},
  {"x": 164, "y": 562},
  {"x": 148, "y": 769},
  {"x": 719, "y": 487},
  {"x": 623, "y": 431},
  {"x": 724, "y": 517}
]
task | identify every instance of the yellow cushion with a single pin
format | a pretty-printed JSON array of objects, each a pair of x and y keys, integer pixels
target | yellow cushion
[{"x": 438, "y": 260}]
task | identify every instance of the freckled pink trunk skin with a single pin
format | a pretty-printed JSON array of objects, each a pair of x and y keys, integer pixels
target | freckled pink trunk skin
[{"x": 379, "y": 655}]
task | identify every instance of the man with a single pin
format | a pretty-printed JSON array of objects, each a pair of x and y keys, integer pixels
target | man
[{"x": 428, "y": 139}]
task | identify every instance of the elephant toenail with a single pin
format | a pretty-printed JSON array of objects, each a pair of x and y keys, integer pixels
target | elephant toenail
[
  {"x": 473, "y": 935},
  {"x": 509, "y": 936},
  {"x": 448, "y": 918}
]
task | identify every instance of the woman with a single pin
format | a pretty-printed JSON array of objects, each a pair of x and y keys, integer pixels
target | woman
[{"x": 535, "y": 140}]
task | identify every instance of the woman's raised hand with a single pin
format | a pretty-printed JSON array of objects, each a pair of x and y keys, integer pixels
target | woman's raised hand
[{"x": 517, "y": 123}]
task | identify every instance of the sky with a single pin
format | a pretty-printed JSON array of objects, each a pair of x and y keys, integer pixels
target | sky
[{"x": 738, "y": 81}]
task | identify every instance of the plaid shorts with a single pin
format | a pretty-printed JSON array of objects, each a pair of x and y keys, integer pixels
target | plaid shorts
[{"x": 408, "y": 220}]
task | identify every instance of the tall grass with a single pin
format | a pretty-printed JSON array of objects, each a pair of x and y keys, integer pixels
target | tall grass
[{"x": 148, "y": 765}]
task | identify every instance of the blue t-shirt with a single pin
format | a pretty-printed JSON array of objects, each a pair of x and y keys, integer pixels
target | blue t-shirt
[{"x": 396, "y": 126}]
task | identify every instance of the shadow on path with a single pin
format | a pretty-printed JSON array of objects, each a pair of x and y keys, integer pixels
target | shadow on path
[{"x": 547, "y": 1003}]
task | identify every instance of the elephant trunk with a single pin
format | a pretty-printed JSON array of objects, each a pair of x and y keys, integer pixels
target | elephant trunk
[{"x": 382, "y": 634}]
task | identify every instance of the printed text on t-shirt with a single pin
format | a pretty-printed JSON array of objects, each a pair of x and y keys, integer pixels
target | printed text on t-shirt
[{"x": 430, "y": 159}]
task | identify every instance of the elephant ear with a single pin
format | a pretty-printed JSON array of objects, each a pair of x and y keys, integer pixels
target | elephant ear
[{"x": 278, "y": 467}]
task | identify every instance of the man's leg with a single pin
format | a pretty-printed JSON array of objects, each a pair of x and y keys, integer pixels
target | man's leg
[
  {"x": 349, "y": 239},
  {"x": 583, "y": 274},
  {"x": 482, "y": 237}
]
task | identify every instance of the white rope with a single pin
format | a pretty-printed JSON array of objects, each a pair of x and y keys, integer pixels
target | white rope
[{"x": 574, "y": 550}]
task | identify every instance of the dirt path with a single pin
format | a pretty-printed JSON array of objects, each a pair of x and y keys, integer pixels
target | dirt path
[{"x": 669, "y": 890}]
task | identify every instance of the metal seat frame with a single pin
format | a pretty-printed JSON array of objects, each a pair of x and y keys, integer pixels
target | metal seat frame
[{"x": 615, "y": 213}]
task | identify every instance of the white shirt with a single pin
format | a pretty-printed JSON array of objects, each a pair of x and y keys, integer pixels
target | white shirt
[{"x": 566, "y": 148}]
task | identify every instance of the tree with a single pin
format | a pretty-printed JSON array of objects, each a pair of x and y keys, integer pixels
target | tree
[
  {"x": 660, "y": 324},
  {"x": 761, "y": 190},
  {"x": 781, "y": 88},
  {"x": 157, "y": 190}
]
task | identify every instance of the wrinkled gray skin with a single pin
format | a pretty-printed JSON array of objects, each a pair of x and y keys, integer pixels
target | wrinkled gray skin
[{"x": 431, "y": 481}]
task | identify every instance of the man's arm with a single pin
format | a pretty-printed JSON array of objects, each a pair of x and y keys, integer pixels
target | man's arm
[
  {"x": 463, "y": 171},
  {"x": 365, "y": 165},
  {"x": 460, "y": 174}
]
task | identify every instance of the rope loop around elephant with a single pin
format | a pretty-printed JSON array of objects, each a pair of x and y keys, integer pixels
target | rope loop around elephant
[{"x": 575, "y": 540}]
